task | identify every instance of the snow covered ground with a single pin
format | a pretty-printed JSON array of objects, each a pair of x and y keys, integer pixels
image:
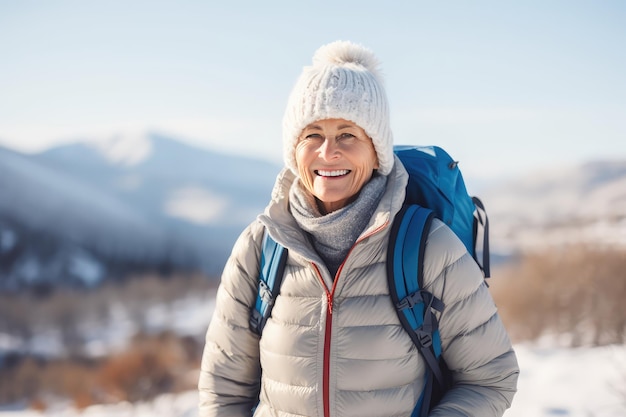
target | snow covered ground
[
  {"x": 554, "y": 382},
  {"x": 582, "y": 382}
]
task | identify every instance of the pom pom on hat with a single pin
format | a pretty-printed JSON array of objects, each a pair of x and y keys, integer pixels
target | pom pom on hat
[
  {"x": 342, "y": 53},
  {"x": 344, "y": 82}
]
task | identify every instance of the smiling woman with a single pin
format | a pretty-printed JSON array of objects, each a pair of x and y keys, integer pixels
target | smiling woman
[{"x": 333, "y": 344}]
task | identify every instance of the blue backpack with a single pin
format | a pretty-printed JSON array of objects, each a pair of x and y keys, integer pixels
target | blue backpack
[{"x": 435, "y": 189}]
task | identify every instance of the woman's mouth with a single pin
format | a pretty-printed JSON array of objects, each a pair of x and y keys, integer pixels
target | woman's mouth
[{"x": 335, "y": 173}]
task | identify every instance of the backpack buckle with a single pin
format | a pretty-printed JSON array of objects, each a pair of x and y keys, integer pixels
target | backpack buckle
[
  {"x": 425, "y": 339},
  {"x": 265, "y": 293},
  {"x": 410, "y": 300},
  {"x": 256, "y": 322}
]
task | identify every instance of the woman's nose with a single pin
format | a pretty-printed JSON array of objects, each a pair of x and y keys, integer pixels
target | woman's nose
[{"x": 328, "y": 150}]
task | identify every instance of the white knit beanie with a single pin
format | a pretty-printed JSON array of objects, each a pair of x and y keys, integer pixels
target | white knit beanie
[{"x": 343, "y": 83}]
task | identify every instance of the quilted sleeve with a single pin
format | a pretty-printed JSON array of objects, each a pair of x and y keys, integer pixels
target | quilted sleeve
[
  {"x": 475, "y": 344},
  {"x": 230, "y": 373}
]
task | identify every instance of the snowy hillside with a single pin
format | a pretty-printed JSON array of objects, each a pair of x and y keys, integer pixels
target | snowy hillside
[
  {"x": 576, "y": 204},
  {"x": 147, "y": 200},
  {"x": 205, "y": 196},
  {"x": 53, "y": 225},
  {"x": 44, "y": 198}
]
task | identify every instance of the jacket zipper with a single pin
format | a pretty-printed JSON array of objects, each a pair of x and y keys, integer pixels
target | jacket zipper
[
  {"x": 326, "y": 383},
  {"x": 329, "y": 323}
]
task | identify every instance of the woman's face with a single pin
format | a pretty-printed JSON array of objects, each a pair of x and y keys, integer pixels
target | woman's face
[{"x": 335, "y": 159}]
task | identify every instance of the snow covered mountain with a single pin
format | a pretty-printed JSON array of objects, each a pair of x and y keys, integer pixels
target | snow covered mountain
[
  {"x": 148, "y": 200},
  {"x": 569, "y": 205},
  {"x": 51, "y": 222}
]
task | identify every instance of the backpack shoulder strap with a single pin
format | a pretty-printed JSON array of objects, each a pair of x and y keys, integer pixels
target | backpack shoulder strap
[
  {"x": 273, "y": 260},
  {"x": 413, "y": 304},
  {"x": 481, "y": 219}
]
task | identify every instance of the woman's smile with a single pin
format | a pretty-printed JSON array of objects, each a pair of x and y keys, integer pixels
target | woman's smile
[{"x": 334, "y": 174}]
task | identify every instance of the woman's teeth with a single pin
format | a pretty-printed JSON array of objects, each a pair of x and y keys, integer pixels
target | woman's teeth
[{"x": 336, "y": 173}]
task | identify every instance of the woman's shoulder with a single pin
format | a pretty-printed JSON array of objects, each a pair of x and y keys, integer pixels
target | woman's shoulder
[
  {"x": 250, "y": 237},
  {"x": 446, "y": 256},
  {"x": 442, "y": 241}
]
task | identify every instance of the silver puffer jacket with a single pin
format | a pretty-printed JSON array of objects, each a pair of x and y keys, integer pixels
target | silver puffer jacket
[{"x": 334, "y": 346}]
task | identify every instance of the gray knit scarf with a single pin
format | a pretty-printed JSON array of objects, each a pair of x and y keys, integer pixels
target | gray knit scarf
[{"x": 333, "y": 234}]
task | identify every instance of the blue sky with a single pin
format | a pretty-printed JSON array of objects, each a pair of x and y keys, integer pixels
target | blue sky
[{"x": 506, "y": 87}]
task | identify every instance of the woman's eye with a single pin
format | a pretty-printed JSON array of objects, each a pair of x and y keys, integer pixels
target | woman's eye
[
  {"x": 346, "y": 136},
  {"x": 312, "y": 136}
]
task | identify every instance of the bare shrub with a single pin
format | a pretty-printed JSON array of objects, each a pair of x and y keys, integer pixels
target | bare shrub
[
  {"x": 23, "y": 315},
  {"x": 570, "y": 290},
  {"x": 34, "y": 378},
  {"x": 145, "y": 291},
  {"x": 72, "y": 378},
  {"x": 150, "y": 366},
  {"x": 19, "y": 379}
]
